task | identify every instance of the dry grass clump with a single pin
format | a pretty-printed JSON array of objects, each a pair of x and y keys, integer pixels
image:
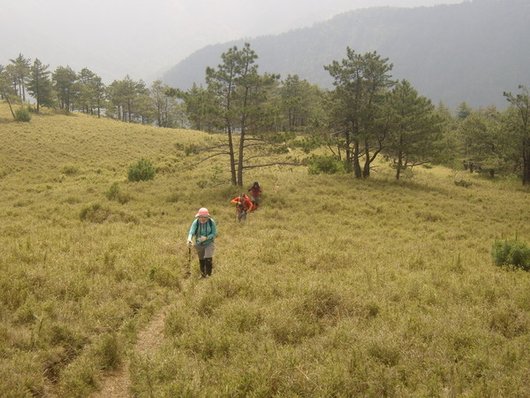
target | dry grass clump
[{"x": 334, "y": 287}]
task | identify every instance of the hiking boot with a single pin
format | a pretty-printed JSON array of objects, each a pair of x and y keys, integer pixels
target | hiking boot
[
  {"x": 202, "y": 267},
  {"x": 208, "y": 266}
]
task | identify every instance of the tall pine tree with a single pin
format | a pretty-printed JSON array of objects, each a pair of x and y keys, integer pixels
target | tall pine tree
[{"x": 40, "y": 85}]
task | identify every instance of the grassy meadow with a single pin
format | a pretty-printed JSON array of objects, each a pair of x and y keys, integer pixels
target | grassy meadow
[{"x": 335, "y": 287}]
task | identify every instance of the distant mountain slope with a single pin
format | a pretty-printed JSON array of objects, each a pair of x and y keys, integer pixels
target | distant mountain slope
[{"x": 470, "y": 52}]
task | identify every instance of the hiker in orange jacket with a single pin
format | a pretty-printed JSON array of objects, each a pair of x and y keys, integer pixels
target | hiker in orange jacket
[{"x": 243, "y": 206}]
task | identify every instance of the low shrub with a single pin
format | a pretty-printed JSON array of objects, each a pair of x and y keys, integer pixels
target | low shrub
[
  {"x": 94, "y": 213},
  {"x": 98, "y": 214},
  {"x": 173, "y": 198},
  {"x": 143, "y": 170},
  {"x": 308, "y": 144},
  {"x": 79, "y": 379},
  {"x": 319, "y": 303},
  {"x": 165, "y": 277},
  {"x": 291, "y": 330},
  {"x": 463, "y": 183},
  {"x": 109, "y": 352},
  {"x": 70, "y": 170},
  {"x": 177, "y": 323},
  {"x": 191, "y": 149},
  {"x": 22, "y": 115},
  {"x": 325, "y": 165},
  {"x": 115, "y": 193},
  {"x": 512, "y": 252}
]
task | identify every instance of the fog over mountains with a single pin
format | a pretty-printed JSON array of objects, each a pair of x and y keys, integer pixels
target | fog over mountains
[{"x": 472, "y": 52}]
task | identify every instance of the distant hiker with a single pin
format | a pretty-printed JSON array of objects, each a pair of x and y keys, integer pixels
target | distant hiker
[
  {"x": 201, "y": 235},
  {"x": 255, "y": 194},
  {"x": 243, "y": 206}
]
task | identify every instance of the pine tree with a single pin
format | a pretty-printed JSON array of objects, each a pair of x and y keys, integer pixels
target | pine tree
[
  {"x": 64, "y": 83},
  {"x": 91, "y": 92},
  {"x": 40, "y": 85},
  {"x": 521, "y": 127},
  {"x": 20, "y": 74},
  {"x": 361, "y": 82},
  {"x": 6, "y": 89},
  {"x": 414, "y": 128}
]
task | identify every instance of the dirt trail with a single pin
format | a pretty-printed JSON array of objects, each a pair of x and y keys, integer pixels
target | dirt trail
[{"x": 117, "y": 383}]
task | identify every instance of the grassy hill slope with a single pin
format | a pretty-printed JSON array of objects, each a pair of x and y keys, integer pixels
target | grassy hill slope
[{"x": 335, "y": 287}]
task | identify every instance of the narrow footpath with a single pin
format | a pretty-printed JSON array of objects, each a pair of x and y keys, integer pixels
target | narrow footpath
[{"x": 117, "y": 383}]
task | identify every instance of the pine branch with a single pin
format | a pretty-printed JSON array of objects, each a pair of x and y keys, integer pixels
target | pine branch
[{"x": 254, "y": 166}]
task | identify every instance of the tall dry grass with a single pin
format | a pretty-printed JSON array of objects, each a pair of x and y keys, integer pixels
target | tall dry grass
[{"x": 335, "y": 287}]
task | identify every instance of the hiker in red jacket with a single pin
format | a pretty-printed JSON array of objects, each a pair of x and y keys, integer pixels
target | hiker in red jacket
[
  {"x": 255, "y": 194},
  {"x": 243, "y": 206}
]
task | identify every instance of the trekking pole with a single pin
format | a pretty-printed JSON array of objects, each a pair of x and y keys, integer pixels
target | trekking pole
[{"x": 188, "y": 271}]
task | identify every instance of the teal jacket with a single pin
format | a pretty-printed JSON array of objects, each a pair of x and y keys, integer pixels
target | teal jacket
[{"x": 208, "y": 229}]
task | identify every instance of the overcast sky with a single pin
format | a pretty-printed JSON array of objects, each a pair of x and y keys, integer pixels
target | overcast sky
[{"x": 144, "y": 38}]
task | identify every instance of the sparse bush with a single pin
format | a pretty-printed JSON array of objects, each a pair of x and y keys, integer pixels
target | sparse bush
[
  {"x": 98, "y": 214},
  {"x": 176, "y": 323},
  {"x": 108, "y": 352},
  {"x": 191, "y": 149},
  {"x": 512, "y": 252},
  {"x": 70, "y": 170},
  {"x": 308, "y": 144},
  {"x": 207, "y": 304},
  {"x": 243, "y": 319},
  {"x": 173, "y": 198},
  {"x": 384, "y": 352},
  {"x": 286, "y": 329},
  {"x": 143, "y": 170},
  {"x": 78, "y": 379},
  {"x": 509, "y": 321},
  {"x": 22, "y": 115},
  {"x": 319, "y": 303},
  {"x": 325, "y": 165},
  {"x": 463, "y": 183},
  {"x": 165, "y": 277},
  {"x": 94, "y": 213},
  {"x": 202, "y": 184},
  {"x": 188, "y": 149},
  {"x": 115, "y": 193}
]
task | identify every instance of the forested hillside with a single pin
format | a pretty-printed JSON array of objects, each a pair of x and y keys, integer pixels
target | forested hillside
[{"x": 469, "y": 52}]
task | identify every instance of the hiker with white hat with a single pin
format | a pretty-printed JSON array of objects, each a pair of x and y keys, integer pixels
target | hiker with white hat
[{"x": 202, "y": 235}]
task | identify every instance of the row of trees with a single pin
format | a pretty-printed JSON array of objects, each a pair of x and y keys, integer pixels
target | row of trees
[
  {"x": 367, "y": 114},
  {"x": 84, "y": 91},
  {"x": 493, "y": 141}
]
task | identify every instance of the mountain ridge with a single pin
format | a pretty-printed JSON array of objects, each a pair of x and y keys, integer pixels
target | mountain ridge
[{"x": 472, "y": 51}]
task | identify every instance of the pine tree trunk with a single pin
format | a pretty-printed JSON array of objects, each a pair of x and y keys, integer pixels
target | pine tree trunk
[
  {"x": 399, "y": 164},
  {"x": 356, "y": 161},
  {"x": 400, "y": 157},
  {"x": 240, "y": 157},
  {"x": 349, "y": 159},
  {"x": 9, "y": 103},
  {"x": 366, "y": 169},
  {"x": 526, "y": 161},
  {"x": 231, "y": 154}
]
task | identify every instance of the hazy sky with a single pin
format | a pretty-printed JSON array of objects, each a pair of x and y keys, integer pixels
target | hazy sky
[{"x": 144, "y": 38}]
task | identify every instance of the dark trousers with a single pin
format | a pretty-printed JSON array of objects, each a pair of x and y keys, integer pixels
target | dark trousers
[{"x": 206, "y": 266}]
